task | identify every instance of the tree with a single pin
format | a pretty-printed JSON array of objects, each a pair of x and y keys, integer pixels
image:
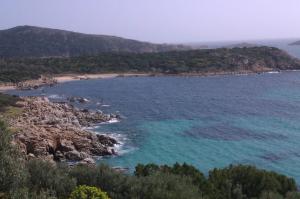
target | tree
[{"x": 86, "y": 192}]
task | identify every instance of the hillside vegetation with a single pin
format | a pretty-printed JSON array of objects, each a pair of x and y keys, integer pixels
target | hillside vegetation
[
  {"x": 256, "y": 59},
  {"x": 30, "y": 41}
]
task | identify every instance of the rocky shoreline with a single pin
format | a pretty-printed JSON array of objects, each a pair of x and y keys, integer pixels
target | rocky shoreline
[
  {"x": 56, "y": 132},
  {"x": 34, "y": 84},
  {"x": 53, "y": 80}
]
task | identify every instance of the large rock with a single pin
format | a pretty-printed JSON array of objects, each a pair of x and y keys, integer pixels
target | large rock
[
  {"x": 55, "y": 131},
  {"x": 73, "y": 155}
]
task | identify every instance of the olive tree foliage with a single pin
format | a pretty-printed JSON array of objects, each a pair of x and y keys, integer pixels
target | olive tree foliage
[
  {"x": 87, "y": 192},
  {"x": 12, "y": 167}
]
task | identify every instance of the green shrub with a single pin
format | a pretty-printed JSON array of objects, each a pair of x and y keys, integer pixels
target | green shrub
[
  {"x": 252, "y": 181},
  {"x": 183, "y": 170},
  {"x": 7, "y": 100},
  {"x": 30, "y": 194},
  {"x": 44, "y": 176},
  {"x": 86, "y": 192},
  {"x": 116, "y": 184},
  {"x": 293, "y": 195},
  {"x": 12, "y": 168},
  {"x": 271, "y": 195},
  {"x": 161, "y": 185}
]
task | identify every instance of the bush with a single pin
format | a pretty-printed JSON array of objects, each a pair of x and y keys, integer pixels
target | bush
[
  {"x": 44, "y": 176},
  {"x": 116, "y": 184},
  {"x": 86, "y": 192},
  {"x": 161, "y": 185},
  {"x": 184, "y": 170},
  {"x": 30, "y": 194},
  {"x": 293, "y": 195},
  {"x": 252, "y": 182},
  {"x": 7, "y": 100},
  {"x": 12, "y": 168}
]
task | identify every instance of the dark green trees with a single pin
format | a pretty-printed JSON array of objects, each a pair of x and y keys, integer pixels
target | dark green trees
[{"x": 233, "y": 182}]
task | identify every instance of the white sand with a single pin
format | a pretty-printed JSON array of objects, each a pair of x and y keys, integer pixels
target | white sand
[
  {"x": 74, "y": 77},
  {"x": 4, "y": 88}
]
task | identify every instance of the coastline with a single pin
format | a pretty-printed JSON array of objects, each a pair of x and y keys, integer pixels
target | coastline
[
  {"x": 62, "y": 78},
  {"x": 75, "y": 77}
]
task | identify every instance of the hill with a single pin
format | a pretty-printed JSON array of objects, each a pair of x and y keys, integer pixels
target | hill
[
  {"x": 295, "y": 43},
  {"x": 241, "y": 45},
  {"x": 211, "y": 61},
  {"x": 30, "y": 41}
]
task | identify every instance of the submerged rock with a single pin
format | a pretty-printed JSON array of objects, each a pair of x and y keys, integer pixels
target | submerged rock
[{"x": 78, "y": 99}]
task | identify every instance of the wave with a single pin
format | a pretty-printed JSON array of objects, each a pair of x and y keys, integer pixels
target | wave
[
  {"x": 111, "y": 121},
  {"x": 122, "y": 147},
  {"x": 105, "y": 105},
  {"x": 273, "y": 72},
  {"x": 55, "y": 96}
]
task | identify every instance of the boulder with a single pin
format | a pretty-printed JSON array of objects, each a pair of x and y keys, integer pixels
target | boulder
[
  {"x": 107, "y": 141},
  {"x": 73, "y": 156},
  {"x": 87, "y": 161}
]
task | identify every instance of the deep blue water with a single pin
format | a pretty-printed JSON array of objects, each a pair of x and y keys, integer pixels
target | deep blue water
[{"x": 205, "y": 121}]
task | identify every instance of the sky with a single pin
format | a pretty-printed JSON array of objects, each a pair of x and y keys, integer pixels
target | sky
[{"x": 160, "y": 21}]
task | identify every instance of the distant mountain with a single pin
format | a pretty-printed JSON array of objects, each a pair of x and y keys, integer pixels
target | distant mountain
[
  {"x": 241, "y": 45},
  {"x": 30, "y": 41},
  {"x": 295, "y": 43}
]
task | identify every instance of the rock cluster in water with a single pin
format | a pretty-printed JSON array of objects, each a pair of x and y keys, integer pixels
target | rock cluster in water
[
  {"x": 55, "y": 131},
  {"x": 34, "y": 84}
]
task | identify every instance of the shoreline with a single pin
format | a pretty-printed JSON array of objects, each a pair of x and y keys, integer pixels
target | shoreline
[
  {"x": 63, "y": 78},
  {"x": 75, "y": 77}
]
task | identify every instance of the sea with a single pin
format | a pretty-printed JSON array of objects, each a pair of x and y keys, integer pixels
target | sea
[{"x": 207, "y": 122}]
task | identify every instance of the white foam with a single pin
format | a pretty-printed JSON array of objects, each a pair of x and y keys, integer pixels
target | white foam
[
  {"x": 91, "y": 128},
  {"x": 121, "y": 147},
  {"x": 111, "y": 121},
  {"x": 55, "y": 96},
  {"x": 105, "y": 105},
  {"x": 122, "y": 150},
  {"x": 273, "y": 72}
]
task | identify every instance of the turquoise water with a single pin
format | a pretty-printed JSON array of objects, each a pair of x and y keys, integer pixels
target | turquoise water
[{"x": 205, "y": 121}]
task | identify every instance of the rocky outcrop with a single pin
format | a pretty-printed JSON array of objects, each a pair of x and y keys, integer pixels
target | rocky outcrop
[
  {"x": 34, "y": 84},
  {"x": 54, "y": 131}
]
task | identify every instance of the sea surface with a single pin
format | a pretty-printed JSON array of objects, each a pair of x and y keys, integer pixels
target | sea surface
[{"x": 204, "y": 121}]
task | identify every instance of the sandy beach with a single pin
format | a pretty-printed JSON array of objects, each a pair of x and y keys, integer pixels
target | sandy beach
[
  {"x": 75, "y": 77},
  {"x": 4, "y": 88}
]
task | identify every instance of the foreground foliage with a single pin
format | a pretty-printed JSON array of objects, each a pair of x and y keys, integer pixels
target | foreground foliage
[
  {"x": 86, "y": 192},
  {"x": 7, "y": 101}
]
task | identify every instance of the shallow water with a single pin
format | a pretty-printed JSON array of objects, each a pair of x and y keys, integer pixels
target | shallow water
[{"x": 205, "y": 121}]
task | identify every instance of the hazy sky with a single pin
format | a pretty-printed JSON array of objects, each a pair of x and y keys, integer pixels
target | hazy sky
[{"x": 160, "y": 20}]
